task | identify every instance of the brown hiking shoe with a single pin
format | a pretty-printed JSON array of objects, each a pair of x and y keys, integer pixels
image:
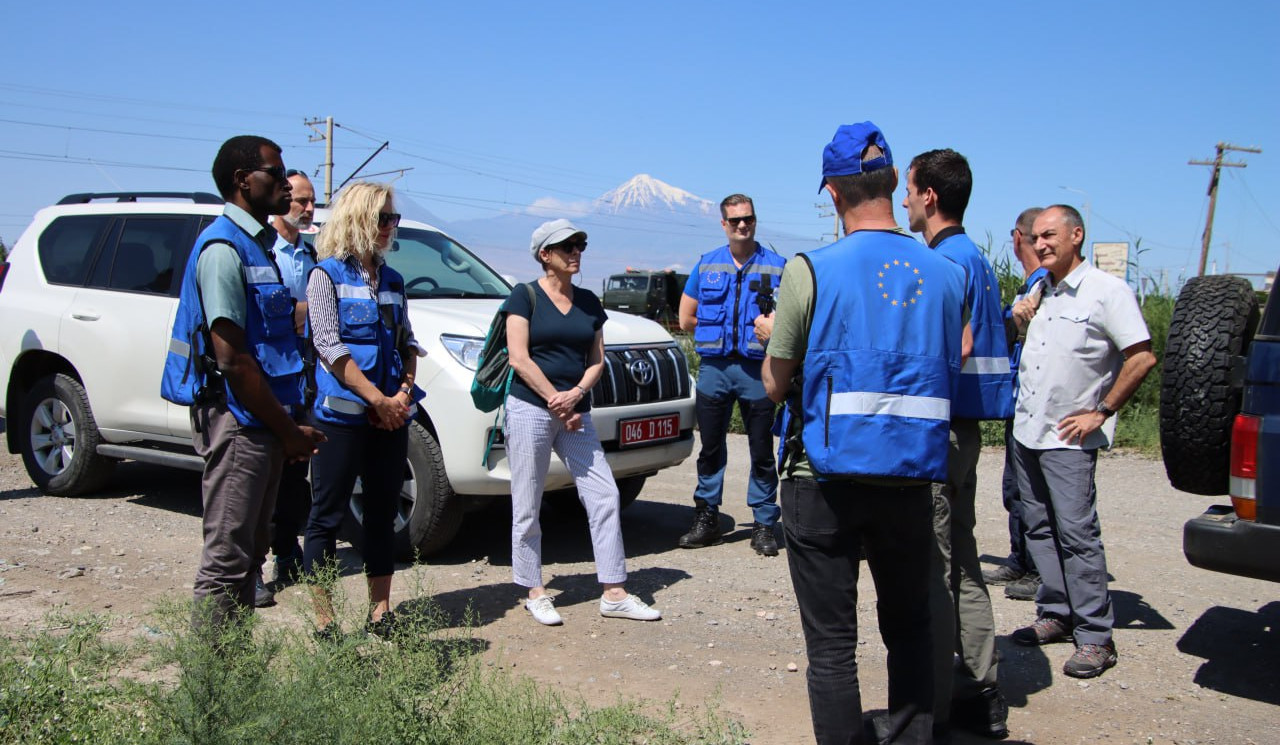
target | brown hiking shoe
[
  {"x": 1091, "y": 660},
  {"x": 1045, "y": 630}
]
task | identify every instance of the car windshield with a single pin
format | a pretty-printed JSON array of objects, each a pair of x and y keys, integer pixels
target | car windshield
[
  {"x": 624, "y": 282},
  {"x": 435, "y": 266}
]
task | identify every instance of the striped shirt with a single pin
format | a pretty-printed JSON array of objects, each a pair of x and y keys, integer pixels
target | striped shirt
[{"x": 322, "y": 312}]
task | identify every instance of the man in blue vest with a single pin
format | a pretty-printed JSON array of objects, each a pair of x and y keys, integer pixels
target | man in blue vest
[
  {"x": 1018, "y": 573},
  {"x": 719, "y": 306},
  {"x": 295, "y": 256},
  {"x": 866, "y": 351},
  {"x": 234, "y": 358},
  {"x": 967, "y": 689}
]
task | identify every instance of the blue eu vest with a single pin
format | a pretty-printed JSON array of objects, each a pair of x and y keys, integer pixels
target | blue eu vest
[
  {"x": 727, "y": 305},
  {"x": 269, "y": 334},
  {"x": 368, "y": 326},
  {"x": 883, "y": 358},
  {"x": 986, "y": 382},
  {"x": 1015, "y": 349}
]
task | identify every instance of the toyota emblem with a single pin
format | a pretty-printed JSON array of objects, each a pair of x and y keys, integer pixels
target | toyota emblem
[{"x": 641, "y": 372}]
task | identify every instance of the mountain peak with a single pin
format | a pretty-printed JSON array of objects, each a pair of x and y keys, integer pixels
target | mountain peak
[{"x": 643, "y": 191}]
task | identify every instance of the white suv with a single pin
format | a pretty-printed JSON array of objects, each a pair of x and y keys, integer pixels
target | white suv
[{"x": 88, "y": 298}]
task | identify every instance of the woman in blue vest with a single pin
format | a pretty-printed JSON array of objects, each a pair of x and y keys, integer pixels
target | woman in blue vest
[
  {"x": 366, "y": 358},
  {"x": 556, "y": 347}
]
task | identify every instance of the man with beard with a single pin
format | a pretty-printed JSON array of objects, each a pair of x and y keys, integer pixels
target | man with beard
[{"x": 295, "y": 257}]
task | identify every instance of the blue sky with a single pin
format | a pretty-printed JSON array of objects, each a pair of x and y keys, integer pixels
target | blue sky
[{"x": 498, "y": 105}]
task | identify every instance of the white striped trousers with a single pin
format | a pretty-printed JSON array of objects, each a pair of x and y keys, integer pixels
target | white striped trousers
[{"x": 532, "y": 433}]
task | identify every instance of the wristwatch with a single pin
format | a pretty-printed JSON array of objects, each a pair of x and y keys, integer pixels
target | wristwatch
[{"x": 1104, "y": 410}]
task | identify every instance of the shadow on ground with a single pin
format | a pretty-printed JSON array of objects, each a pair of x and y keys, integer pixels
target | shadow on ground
[{"x": 1241, "y": 650}]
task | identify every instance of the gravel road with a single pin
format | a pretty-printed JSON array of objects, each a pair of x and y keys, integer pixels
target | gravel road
[{"x": 1199, "y": 653}]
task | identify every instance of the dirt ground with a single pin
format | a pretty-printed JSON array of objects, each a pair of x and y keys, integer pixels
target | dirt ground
[{"x": 1199, "y": 653}]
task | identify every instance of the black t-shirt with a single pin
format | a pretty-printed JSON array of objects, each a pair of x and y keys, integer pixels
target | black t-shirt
[{"x": 559, "y": 343}]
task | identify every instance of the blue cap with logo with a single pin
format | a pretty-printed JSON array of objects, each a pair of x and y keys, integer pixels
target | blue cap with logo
[{"x": 843, "y": 155}]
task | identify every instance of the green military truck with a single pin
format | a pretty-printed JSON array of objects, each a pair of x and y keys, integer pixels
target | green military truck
[{"x": 652, "y": 294}]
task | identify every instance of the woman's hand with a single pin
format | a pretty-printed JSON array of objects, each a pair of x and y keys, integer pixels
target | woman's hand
[
  {"x": 391, "y": 412},
  {"x": 563, "y": 402}
]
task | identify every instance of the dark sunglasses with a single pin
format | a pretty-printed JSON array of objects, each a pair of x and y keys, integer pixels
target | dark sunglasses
[
  {"x": 275, "y": 172},
  {"x": 569, "y": 246},
  {"x": 735, "y": 221},
  {"x": 388, "y": 218}
]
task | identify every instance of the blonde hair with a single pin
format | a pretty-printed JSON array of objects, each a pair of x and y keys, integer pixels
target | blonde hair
[{"x": 352, "y": 228}]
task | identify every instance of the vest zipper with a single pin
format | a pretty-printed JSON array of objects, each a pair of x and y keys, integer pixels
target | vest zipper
[{"x": 826, "y": 423}]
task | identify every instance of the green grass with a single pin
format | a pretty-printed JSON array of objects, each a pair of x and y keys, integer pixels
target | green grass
[{"x": 63, "y": 684}]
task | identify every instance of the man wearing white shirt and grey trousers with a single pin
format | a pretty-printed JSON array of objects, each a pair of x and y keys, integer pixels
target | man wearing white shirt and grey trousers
[{"x": 1087, "y": 350}]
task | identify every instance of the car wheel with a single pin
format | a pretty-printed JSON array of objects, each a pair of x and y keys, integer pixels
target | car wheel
[
  {"x": 60, "y": 444},
  {"x": 1213, "y": 322},
  {"x": 567, "y": 499},
  {"x": 428, "y": 513}
]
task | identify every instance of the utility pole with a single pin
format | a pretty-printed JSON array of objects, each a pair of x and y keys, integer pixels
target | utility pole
[
  {"x": 1218, "y": 164},
  {"x": 822, "y": 212},
  {"x": 327, "y": 136}
]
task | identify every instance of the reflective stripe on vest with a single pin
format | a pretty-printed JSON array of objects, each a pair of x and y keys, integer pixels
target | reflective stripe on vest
[
  {"x": 864, "y": 403},
  {"x": 985, "y": 366}
]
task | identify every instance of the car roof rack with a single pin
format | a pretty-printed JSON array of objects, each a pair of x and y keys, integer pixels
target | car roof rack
[{"x": 198, "y": 197}]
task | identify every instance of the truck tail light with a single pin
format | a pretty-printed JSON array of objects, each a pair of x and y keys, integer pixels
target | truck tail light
[{"x": 1244, "y": 466}]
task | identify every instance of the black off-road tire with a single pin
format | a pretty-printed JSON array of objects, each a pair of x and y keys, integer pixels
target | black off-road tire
[
  {"x": 429, "y": 514},
  {"x": 60, "y": 439},
  {"x": 1213, "y": 322}
]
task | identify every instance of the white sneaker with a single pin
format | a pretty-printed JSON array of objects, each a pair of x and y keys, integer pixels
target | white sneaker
[
  {"x": 543, "y": 611},
  {"x": 629, "y": 607}
]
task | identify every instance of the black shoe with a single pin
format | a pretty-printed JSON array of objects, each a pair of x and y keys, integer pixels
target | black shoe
[
  {"x": 1023, "y": 589},
  {"x": 288, "y": 569},
  {"x": 263, "y": 597},
  {"x": 1002, "y": 575},
  {"x": 383, "y": 628},
  {"x": 1045, "y": 630},
  {"x": 331, "y": 634},
  {"x": 1091, "y": 660},
  {"x": 986, "y": 714},
  {"x": 762, "y": 539},
  {"x": 706, "y": 527}
]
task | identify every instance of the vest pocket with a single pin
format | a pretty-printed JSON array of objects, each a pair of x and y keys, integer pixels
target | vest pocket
[
  {"x": 358, "y": 320},
  {"x": 275, "y": 305}
]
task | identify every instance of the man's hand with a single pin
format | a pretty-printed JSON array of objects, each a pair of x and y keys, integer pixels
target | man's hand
[
  {"x": 764, "y": 327},
  {"x": 574, "y": 422},
  {"x": 1075, "y": 427},
  {"x": 1025, "y": 309},
  {"x": 301, "y": 444}
]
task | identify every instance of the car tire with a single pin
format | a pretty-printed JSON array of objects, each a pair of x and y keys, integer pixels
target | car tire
[
  {"x": 428, "y": 515},
  {"x": 60, "y": 439},
  {"x": 566, "y": 500},
  {"x": 1213, "y": 322}
]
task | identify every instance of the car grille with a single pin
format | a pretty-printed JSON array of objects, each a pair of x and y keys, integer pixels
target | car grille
[{"x": 625, "y": 368}]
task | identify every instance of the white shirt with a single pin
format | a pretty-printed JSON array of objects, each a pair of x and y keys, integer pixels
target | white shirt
[{"x": 1073, "y": 354}]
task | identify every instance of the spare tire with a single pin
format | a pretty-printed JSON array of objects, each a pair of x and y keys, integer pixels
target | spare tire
[{"x": 1213, "y": 322}]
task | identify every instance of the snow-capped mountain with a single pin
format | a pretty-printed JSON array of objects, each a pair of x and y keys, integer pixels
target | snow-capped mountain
[{"x": 645, "y": 192}]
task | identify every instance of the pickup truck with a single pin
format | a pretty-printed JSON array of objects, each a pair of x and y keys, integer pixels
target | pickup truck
[
  {"x": 1220, "y": 423},
  {"x": 88, "y": 296}
]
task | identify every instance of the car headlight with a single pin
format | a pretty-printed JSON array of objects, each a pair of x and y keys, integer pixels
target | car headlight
[{"x": 464, "y": 349}]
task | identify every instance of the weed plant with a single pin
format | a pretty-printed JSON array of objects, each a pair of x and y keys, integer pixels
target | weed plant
[{"x": 278, "y": 684}]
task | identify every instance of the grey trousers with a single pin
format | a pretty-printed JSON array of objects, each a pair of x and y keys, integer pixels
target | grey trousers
[
  {"x": 1064, "y": 539},
  {"x": 241, "y": 475},
  {"x": 959, "y": 603}
]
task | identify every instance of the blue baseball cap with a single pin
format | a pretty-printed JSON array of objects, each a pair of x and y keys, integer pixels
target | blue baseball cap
[{"x": 843, "y": 155}]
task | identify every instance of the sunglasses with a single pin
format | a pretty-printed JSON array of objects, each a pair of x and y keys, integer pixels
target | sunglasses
[
  {"x": 275, "y": 172},
  {"x": 735, "y": 221},
  {"x": 569, "y": 246},
  {"x": 388, "y": 218}
]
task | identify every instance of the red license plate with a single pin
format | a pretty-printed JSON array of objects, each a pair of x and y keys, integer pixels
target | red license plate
[{"x": 648, "y": 430}]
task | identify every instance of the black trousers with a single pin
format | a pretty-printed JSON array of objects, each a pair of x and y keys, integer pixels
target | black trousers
[
  {"x": 828, "y": 525},
  {"x": 293, "y": 505},
  {"x": 377, "y": 456}
]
